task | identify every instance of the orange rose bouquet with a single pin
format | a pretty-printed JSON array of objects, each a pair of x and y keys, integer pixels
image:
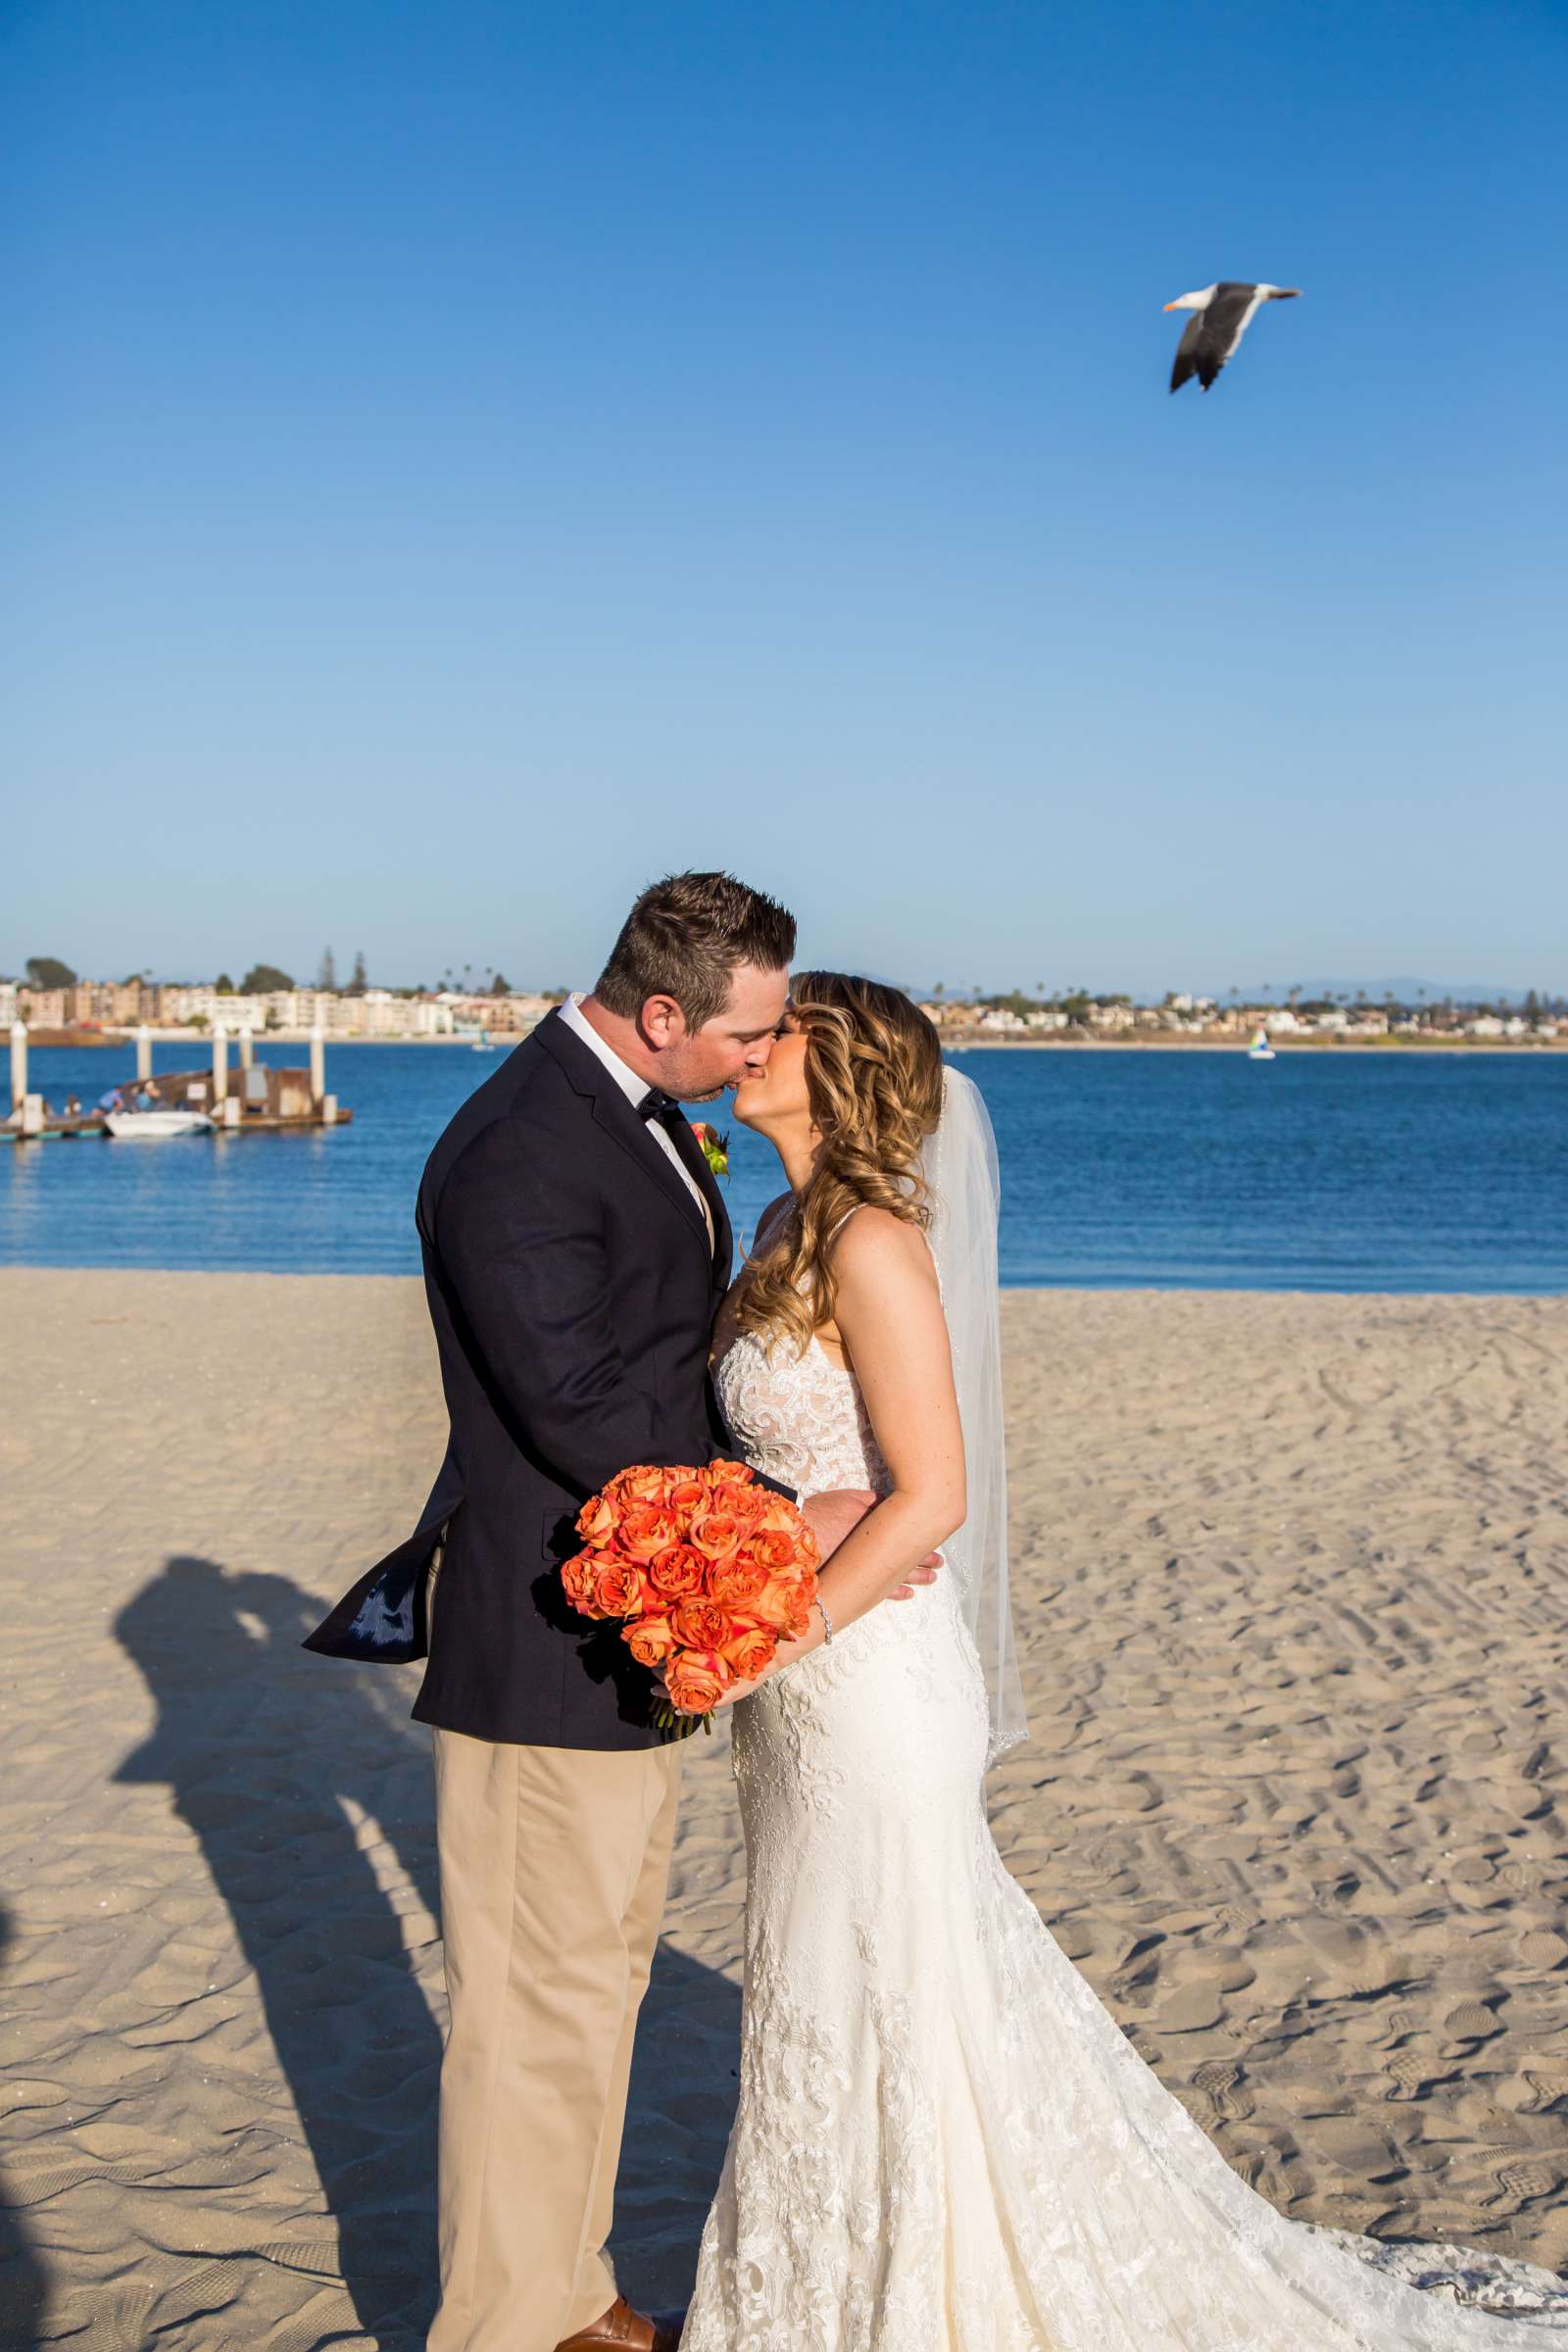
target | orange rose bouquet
[{"x": 707, "y": 1571}]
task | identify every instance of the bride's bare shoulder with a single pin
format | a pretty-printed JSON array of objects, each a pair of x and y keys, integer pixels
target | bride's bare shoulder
[{"x": 874, "y": 1246}]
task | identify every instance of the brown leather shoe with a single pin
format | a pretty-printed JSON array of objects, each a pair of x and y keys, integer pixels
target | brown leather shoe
[{"x": 622, "y": 2330}]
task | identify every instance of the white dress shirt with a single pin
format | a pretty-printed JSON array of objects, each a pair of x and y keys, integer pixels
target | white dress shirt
[{"x": 634, "y": 1089}]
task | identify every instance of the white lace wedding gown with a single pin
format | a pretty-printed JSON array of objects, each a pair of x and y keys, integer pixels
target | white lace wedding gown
[{"x": 944, "y": 2143}]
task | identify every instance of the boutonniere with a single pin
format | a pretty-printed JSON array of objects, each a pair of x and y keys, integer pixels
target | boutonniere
[{"x": 714, "y": 1144}]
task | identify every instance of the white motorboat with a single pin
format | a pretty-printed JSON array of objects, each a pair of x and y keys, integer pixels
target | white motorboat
[
  {"x": 152, "y": 1126},
  {"x": 1261, "y": 1050}
]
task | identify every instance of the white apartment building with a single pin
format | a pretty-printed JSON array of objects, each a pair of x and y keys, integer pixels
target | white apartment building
[
  {"x": 380, "y": 1013},
  {"x": 205, "y": 1003}
]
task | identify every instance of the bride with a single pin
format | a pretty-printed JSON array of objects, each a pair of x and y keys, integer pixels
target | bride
[{"x": 942, "y": 2141}]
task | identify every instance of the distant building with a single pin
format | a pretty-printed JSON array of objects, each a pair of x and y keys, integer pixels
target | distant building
[
  {"x": 509, "y": 1016},
  {"x": 45, "y": 1007}
]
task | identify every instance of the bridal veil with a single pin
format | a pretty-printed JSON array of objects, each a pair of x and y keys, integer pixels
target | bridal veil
[{"x": 959, "y": 1167}]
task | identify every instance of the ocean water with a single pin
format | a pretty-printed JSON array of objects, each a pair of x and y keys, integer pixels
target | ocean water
[{"x": 1326, "y": 1170}]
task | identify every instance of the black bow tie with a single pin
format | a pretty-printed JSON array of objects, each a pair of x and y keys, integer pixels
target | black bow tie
[{"x": 656, "y": 1105}]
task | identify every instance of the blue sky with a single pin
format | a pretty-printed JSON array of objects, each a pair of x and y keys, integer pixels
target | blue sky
[{"x": 465, "y": 460}]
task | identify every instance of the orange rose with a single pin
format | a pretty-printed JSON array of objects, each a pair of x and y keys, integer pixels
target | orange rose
[
  {"x": 701, "y": 1624},
  {"x": 775, "y": 1553},
  {"x": 578, "y": 1579},
  {"x": 685, "y": 1495},
  {"x": 641, "y": 1484},
  {"x": 619, "y": 1588},
  {"x": 783, "y": 1604},
  {"x": 749, "y": 1652},
  {"x": 650, "y": 1639},
  {"x": 596, "y": 1521},
  {"x": 645, "y": 1529},
  {"x": 727, "y": 1474},
  {"x": 677, "y": 1573},
  {"x": 779, "y": 1515},
  {"x": 696, "y": 1683},
  {"x": 734, "y": 1581},
  {"x": 716, "y": 1533}
]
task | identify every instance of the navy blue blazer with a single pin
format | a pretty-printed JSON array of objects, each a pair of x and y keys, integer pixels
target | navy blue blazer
[{"x": 573, "y": 1289}]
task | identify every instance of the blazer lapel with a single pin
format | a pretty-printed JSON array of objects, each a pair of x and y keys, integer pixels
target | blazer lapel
[{"x": 615, "y": 1115}]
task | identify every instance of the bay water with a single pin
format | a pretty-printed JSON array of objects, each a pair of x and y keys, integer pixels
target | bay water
[{"x": 1329, "y": 1170}]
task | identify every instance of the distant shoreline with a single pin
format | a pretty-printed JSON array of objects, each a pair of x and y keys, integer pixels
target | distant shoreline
[
  {"x": 57, "y": 1040},
  {"x": 1236, "y": 1045}
]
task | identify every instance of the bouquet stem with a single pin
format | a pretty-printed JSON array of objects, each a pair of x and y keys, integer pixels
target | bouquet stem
[{"x": 679, "y": 1726}]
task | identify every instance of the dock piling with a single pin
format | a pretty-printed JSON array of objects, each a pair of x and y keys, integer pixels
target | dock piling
[
  {"x": 145, "y": 1055},
  {"x": 247, "y": 1047},
  {"x": 19, "y": 1065},
  {"x": 220, "y": 1061},
  {"x": 318, "y": 1065}
]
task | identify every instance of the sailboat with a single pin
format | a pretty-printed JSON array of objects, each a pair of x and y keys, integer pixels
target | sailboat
[
  {"x": 481, "y": 1043},
  {"x": 1261, "y": 1050}
]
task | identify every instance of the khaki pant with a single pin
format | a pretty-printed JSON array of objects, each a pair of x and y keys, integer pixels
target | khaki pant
[{"x": 553, "y": 1863}]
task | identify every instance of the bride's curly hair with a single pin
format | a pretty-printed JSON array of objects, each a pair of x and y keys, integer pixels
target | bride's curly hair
[{"x": 873, "y": 1077}]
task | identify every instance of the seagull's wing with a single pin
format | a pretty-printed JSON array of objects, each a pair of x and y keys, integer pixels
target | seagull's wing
[
  {"x": 1186, "y": 363},
  {"x": 1230, "y": 315}
]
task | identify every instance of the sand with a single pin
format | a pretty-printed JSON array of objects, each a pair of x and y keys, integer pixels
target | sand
[{"x": 1291, "y": 1575}]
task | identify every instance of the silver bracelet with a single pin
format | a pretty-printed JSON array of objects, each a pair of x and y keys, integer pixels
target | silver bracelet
[{"x": 827, "y": 1622}]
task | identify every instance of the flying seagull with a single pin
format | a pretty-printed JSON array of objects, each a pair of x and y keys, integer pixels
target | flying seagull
[{"x": 1222, "y": 314}]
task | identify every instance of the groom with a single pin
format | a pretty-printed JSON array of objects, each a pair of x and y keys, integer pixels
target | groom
[{"x": 575, "y": 1250}]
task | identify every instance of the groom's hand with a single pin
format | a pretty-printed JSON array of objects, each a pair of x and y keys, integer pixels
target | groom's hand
[
  {"x": 925, "y": 1574},
  {"x": 838, "y": 1513}
]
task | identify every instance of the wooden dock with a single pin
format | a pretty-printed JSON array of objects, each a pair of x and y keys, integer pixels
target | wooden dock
[
  {"x": 64, "y": 1131},
  {"x": 257, "y": 1098}
]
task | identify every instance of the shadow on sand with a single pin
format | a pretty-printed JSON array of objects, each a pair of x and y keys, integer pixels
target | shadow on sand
[
  {"x": 24, "y": 2282},
  {"x": 268, "y": 1753},
  {"x": 260, "y": 1749}
]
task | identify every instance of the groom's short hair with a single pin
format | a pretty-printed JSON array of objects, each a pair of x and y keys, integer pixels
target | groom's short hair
[{"x": 685, "y": 937}]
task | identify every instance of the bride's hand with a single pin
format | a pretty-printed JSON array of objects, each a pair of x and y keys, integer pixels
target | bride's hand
[{"x": 726, "y": 1699}]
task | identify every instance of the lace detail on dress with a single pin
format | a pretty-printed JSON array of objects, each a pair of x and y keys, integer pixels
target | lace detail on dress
[
  {"x": 942, "y": 2141},
  {"x": 798, "y": 1418}
]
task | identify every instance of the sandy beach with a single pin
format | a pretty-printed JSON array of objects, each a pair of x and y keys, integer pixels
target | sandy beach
[{"x": 1291, "y": 1575}]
